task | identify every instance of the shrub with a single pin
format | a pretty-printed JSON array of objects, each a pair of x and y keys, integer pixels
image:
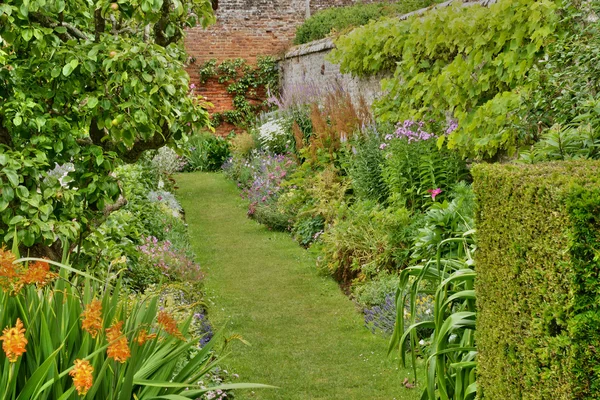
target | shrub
[
  {"x": 567, "y": 83},
  {"x": 206, "y": 152},
  {"x": 444, "y": 221},
  {"x": 159, "y": 259},
  {"x": 307, "y": 229},
  {"x": 166, "y": 161},
  {"x": 375, "y": 291},
  {"x": 363, "y": 242},
  {"x": 270, "y": 216},
  {"x": 268, "y": 174},
  {"x": 340, "y": 19},
  {"x": 242, "y": 145},
  {"x": 538, "y": 292},
  {"x": 564, "y": 143}
]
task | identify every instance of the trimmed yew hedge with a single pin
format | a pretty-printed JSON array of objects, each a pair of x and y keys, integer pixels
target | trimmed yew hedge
[{"x": 538, "y": 280}]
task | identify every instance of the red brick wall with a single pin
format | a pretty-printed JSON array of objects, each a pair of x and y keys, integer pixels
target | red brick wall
[{"x": 246, "y": 29}]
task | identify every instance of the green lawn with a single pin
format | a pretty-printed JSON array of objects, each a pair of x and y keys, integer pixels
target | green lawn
[{"x": 306, "y": 337}]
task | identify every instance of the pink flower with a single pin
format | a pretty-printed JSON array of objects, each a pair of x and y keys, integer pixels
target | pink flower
[{"x": 434, "y": 192}]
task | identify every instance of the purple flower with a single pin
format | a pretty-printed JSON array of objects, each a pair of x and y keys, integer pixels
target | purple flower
[
  {"x": 452, "y": 126},
  {"x": 382, "y": 146}
]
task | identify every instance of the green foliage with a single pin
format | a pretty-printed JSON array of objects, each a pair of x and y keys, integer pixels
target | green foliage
[
  {"x": 564, "y": 143},
  {"x": 206, "y": 152},
  {"x": 366, "y": 169},
  {"x": 467, "y": 62},
  {"x": 85, "y": 86},
  {"x": 307, "y": 229},
  {"x": 537, "y": 287},
  {"x": 248, "y": 85},
  {"x": 444, "y": 221},
  {"x": 52, "y": 319},
  {"x": 364, "y": 240},
  {"x": 340, "y": 19},
  {"x": 411, "y": 169},
  {"x": 271, "y": 216},
  {"x": 566, "y": 81},
  {"x": 450, "y": 351},
  {"x": 375, "y": 291}
]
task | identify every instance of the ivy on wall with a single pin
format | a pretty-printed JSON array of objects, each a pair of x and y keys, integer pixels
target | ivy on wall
[{"x": 249, "y": 85}]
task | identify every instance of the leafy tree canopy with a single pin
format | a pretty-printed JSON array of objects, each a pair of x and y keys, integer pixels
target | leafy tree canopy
[{"x": 84, "y": 86}]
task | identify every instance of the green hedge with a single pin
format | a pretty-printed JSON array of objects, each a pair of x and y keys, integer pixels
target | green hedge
[{"x": 538, "y": 280}]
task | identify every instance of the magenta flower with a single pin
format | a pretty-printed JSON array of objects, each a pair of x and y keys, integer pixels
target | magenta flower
[{"x": 434, "y": 192}]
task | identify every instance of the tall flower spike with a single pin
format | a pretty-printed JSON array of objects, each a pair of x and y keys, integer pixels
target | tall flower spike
[
  {"x": 118, "y": 348},
  {"x": 168, "y": 323},
  {"x": 9, "y": 276},
  {"x": 143, "y": 337},
  {"x": 82, "y": 376},
  {"x": 92, "y": 318},
  {"x": 13, "y": 341},
  {"x": 38, "y": 273}
]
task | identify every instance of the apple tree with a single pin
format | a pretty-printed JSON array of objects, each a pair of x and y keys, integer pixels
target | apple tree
[{"x": 86, "y": 85}]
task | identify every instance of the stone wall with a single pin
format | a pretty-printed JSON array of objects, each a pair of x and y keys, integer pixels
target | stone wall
[{"x": 307, "y": 66}]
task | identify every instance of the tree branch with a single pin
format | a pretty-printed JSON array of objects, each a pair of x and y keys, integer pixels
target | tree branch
[
  {"x": 75, "y": 31},
  {"x": 159, "y": 28},
  {"x": 156, "y": 142},
  {"x": 5, "y": 137},
  {"x": 99, "y": 25},
  {"x": 97, "y": 137}
]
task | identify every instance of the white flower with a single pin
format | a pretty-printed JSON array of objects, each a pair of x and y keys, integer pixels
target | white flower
[
  {"x": 428, "y": 311},
  {"x": 422, "y": 342},
  {"x": 60, "y": 172}
]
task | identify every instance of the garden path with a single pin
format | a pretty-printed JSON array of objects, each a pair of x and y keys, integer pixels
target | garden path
[{"x": 306, "y": 337}]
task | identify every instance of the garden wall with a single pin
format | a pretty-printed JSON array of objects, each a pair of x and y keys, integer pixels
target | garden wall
[
  {"x": 538, "y": 280},
  {"x": 247, "y": 29},
  {"x": 307, "y": 65}
]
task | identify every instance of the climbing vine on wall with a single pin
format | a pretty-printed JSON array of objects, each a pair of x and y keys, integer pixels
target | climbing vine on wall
[
  {"x": 248, "y": 84},
  {"x": 467, "y": 64}
]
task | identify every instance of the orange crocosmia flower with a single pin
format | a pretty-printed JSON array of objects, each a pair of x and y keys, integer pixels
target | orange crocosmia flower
[
  {"x": 9, "y": 275},
  {"x": 92, "y": 318},
  {"x": 168, "y": 323},
  {"x": 13, "y": 341},
  {"x": 38, "y": 273},
  {"x": 143, "y": 337},
  {"x": 82, "y": 376},
  {"x": 118, "y": 348}
]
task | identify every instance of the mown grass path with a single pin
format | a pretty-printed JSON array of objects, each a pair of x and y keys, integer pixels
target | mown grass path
[{"x": 306, "y": 337}]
